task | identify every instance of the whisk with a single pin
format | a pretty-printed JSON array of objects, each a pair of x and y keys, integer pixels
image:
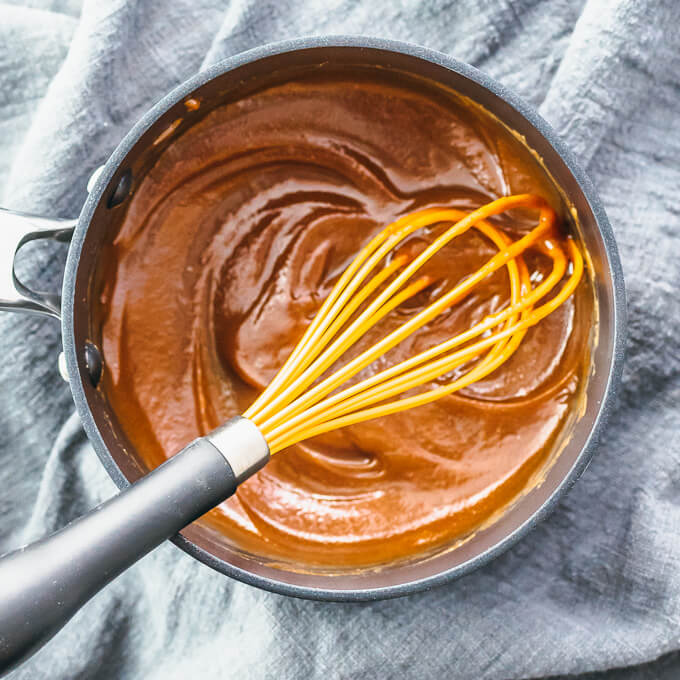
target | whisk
[{"x": 42, "y": 586}]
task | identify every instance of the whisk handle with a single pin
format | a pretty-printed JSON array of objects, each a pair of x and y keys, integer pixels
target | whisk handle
[{"x": 44, "y": 584}]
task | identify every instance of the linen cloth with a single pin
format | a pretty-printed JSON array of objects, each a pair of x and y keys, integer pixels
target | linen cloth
[{"x": 596, "y": 586}]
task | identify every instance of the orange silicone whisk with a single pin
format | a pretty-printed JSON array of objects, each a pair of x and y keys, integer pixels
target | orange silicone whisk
[{"x": 43, "y": 584}]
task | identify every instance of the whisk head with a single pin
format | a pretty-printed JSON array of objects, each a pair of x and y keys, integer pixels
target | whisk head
[{"x": 302, "y": 402}]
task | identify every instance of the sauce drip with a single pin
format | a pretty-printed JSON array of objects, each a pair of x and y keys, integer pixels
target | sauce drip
[{"x": 230, "y": 244}]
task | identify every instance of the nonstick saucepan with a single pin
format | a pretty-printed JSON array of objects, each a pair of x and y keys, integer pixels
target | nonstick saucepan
[{"x": 31, "y": 613}]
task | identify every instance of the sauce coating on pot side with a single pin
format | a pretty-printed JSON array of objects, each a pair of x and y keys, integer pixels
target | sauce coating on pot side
[{"x": 228, "y": 247}]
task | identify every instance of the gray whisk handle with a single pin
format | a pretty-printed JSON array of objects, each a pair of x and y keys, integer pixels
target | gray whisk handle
[{"x": 44, "y": 584}]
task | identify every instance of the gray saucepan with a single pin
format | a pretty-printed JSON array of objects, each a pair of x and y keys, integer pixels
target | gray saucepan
[{"x": 105, "y": 205}]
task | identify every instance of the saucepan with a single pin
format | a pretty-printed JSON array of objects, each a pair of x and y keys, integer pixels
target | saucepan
[{"x": 109, "y": 190}]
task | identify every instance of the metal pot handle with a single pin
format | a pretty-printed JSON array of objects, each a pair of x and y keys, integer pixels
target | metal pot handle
[{"x": 16, "y": 230}]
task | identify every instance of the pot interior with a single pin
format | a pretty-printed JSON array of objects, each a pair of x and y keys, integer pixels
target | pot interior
[{"x": 102, "y": 217}]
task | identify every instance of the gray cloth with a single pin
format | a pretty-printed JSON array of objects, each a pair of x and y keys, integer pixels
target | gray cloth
[{"x": 596, "y": 586}]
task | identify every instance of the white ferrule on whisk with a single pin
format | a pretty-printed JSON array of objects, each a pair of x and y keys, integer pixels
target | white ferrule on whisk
[{"x": 242, "y": 445}]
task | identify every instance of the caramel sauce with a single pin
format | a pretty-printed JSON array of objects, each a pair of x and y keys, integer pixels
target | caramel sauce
[{"x": 227, "y": 249}]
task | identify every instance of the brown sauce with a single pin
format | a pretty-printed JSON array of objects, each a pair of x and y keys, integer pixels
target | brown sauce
[{"x": 227, "y": 249}]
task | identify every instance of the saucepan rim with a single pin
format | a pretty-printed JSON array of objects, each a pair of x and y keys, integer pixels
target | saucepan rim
[{"x": 539, "y": 124}]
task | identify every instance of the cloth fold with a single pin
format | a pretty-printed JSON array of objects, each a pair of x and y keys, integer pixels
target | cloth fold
[{"x": 597, "y": 585}]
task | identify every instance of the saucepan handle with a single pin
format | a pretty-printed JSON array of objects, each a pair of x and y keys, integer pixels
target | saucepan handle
[
  {"x": 17, "y": 229},
  {"x": 43, "y": 585}
]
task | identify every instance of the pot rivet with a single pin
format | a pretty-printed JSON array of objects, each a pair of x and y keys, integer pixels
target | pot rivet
[
  {"x": 120, "y": 193},
  {"x": 93, "y": 362},
  {"x": 61, "y": 365},
  {"x": 93, "y": 178}
]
